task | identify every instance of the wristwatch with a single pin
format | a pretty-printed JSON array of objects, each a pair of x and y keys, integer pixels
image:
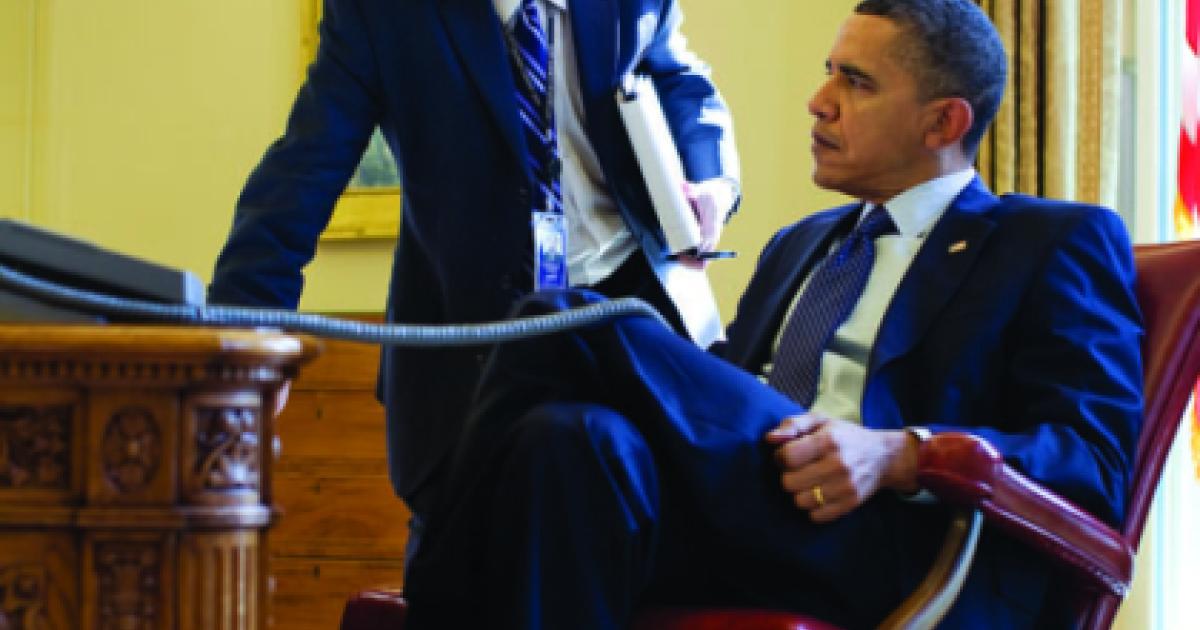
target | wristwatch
[{"x": 921, "y": 495}]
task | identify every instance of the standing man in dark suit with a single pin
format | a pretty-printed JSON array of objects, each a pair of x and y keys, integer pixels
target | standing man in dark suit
[
  {"x": 617, "y": 466},
  {"x": 448, "y": 83}
]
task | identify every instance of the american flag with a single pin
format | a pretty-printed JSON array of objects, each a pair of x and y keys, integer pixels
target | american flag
[
  {"x": 1187, "y": 205},
  {"x": 1187, "y": 209}
]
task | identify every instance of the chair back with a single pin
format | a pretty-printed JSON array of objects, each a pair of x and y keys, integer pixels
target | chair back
[{"x": 1168, "y": 292}]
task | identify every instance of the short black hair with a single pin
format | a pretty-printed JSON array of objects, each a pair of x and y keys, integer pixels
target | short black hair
[{"x": 953, "y": 50}]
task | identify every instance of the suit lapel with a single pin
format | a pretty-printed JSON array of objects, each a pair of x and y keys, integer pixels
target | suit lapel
[
  {"x": 476, "y": 34},
  {"x": 935, "y": 274},
  {"x": 594, "y": 26}
]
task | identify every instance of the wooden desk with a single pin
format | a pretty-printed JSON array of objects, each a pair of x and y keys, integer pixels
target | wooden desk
[{"x": 135, "y": 484}]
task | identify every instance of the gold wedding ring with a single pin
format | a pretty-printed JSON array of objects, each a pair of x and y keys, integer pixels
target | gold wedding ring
[{"x": 818, "y": 496}]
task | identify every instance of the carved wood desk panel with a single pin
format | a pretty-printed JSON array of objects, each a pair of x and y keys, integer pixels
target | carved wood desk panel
[{"x": 135, "y": 475}]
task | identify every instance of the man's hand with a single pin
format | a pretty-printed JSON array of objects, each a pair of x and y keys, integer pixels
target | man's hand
[
  {"x": 711, "y": 200},
  {"x": 832, "y": 466}
]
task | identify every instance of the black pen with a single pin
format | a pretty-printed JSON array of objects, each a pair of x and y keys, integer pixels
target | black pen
[{"x": 713, "y": 255}]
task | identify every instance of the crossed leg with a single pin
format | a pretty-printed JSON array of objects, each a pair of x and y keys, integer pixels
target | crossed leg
[{"x": 618, "y": 464}]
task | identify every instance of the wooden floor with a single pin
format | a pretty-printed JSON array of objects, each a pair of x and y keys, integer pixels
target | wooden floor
[{"x": 342, "y": 528}]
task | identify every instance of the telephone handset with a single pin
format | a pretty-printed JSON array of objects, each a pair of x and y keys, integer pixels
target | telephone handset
[{"x": 75, "y": 263}]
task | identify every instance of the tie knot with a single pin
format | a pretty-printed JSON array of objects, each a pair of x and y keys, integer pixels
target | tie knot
[{"x": 877, "y": 223}]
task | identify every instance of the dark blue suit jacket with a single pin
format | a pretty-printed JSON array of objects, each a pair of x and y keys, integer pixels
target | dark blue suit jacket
[
  {"x": 434, "y": 76},
  {"x": 1016, "y": 322}
]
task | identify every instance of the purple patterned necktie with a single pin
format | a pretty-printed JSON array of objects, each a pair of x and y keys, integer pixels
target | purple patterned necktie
[
  {"x": 832, "y": 291},
  {"x": 530, "y": 57}
]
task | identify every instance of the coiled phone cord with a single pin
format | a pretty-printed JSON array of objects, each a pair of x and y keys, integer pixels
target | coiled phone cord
[{"x": 332, "y": 328}]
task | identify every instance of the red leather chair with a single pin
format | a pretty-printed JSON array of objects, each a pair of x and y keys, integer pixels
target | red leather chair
[{"x": 966, "y": 471}]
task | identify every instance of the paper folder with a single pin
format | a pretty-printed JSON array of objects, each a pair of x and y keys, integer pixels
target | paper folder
[
  {"x": 658, "y": 159},
  {"x": 654, "y": 148}
]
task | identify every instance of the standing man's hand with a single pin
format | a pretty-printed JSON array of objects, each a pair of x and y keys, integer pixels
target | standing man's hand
[
  {"x": 712, "y": 200},
  {"x": 832, "y": 466}
]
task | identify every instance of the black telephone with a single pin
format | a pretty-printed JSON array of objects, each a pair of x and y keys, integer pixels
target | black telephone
[{"x": 75, "y": 263}]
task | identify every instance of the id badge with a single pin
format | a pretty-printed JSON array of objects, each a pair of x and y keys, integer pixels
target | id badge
[{"x": 549, "y": 251}]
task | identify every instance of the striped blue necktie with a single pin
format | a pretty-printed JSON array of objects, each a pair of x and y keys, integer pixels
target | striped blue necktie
[
  {"x": 832, "y": 291},
  {"x": 532, "y": 71}
]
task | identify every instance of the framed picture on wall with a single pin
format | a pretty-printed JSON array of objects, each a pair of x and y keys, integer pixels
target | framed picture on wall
[{"x": 370, "y": 206}]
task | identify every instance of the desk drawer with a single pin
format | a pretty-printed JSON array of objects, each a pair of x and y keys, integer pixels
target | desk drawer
[
  {"x": 354, "y": 517},
  {"x": 330, "y": 424}
]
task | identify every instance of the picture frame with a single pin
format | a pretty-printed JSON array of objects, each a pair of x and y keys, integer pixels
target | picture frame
[{"x": 369, "y": 208}]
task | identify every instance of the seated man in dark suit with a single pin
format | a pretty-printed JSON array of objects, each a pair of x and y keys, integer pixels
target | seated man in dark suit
[{"x": 618, "y": 466}]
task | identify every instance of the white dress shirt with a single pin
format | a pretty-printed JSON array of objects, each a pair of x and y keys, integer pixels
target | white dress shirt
[{"x": 844, "y": 363}]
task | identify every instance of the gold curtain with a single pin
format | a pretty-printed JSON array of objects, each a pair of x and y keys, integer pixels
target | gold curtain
[{"x": 1056, "y": 133}]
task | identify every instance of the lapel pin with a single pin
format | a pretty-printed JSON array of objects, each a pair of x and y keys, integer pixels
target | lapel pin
[{"x": 958, "y": 246}]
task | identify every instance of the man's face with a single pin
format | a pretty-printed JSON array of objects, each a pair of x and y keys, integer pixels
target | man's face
[{"x": 869, "y": 132}]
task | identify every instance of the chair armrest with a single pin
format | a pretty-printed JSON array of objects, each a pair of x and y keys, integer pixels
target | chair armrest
[
  {"x": 966, "y": 470},
  {"x": 925, "y": 607}
]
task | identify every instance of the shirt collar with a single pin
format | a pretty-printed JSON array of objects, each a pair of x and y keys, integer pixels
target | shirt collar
[
  {"x": 506, "y": 8},
  {"x": 915, "y": 210}
]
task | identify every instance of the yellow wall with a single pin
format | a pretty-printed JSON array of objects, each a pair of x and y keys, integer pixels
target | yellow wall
[
  {"x": 15, "y": 65},
  {"x": 147, "y": 116},
  {"x": 767, "y": 63}
]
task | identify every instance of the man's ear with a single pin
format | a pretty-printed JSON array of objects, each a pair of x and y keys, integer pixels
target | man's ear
[{"x": 950, "y": 120}]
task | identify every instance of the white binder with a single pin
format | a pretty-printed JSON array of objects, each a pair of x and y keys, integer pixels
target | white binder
[{"x": 658, "y": 159}]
